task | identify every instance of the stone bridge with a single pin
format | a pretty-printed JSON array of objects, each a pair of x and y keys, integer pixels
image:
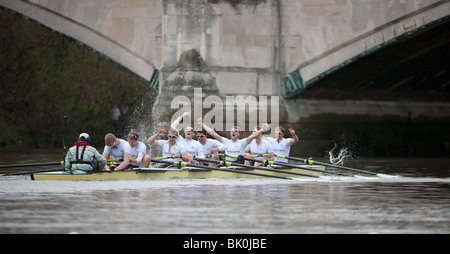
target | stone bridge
[{"x": 259, "y": 47}]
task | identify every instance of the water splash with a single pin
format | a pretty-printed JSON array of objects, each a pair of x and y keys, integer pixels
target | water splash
[
  {"x": 141, "y": 121},
  {"x": 344, "y": 153}
]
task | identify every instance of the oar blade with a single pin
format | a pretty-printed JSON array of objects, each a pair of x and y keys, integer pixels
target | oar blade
[
  {"x": 33, "y": 164},
  {"x": 387, "y": 176},
  {"x": 33, "y": 172},
  {"x": 301, "y": 179},
  {"x": 365, "y": 177}
]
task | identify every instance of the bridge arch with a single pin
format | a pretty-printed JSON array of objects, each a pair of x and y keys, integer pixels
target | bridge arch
[
  {"x": 84, "y": 34},
  {"x": 311, "y": 71}
]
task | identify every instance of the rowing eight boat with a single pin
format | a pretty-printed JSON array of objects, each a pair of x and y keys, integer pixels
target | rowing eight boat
[{"x": 167, "y": 173}]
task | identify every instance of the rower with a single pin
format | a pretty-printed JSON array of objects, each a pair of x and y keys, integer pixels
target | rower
[
  {"x": 173, "y": 150},
  {"x": 257, "y": 148},
  {"x": 235, "y": 146},
  {"x": 193, "y": 147},
  {"x": 138, "y": 151},
  {"x": 281, "y": 145},
  {"x": 117, "y": 149},
  {"x": 83, "y": 156},
  {"x": 210, "y": 147}
]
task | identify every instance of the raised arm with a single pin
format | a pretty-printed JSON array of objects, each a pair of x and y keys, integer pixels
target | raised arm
[
  {"x": 153, "y": 139},
  {"x": 264, "y": 127},
  {"x": 209, "y": 130},
  {"x": 294, "y": 137},
  {"x": 175, "y": 123}
]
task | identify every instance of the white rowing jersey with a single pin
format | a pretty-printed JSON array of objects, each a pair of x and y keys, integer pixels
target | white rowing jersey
[
  {"x": 193, "y": 147},
  {"x": 138, "y": 152},
  {"x": 117, "y": 153},
  {"x": 281, "y": 148},
  {"x": 264, "y": 147},
  {"x": 210, "y": 144},
  {"x": 177, "y": 148},
  {"x": 234, "y": 148}
]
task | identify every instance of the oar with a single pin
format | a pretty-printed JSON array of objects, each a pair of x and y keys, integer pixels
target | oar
[
  {"x": 47, "y": 164},
  {"x": 312, "y": 162},
  {"x": 120, "y": 160},
  {"x": 32, "y": 164},
  {"x": 228, "y": 163},
  {"x": 33, "y": 172},
  {"x": 180, "y": 164},
  {"x": 269, "y": 162},
  {"x": 65, "y": 143},
  {"x": 44, "y": 164}
]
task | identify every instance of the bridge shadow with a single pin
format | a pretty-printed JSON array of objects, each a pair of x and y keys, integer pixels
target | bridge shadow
[{"x": 413, "y": 68}]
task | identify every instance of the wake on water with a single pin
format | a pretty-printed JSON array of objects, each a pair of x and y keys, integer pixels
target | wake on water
[
  {"x": 399, "y": 179},
  {"x": 344, "y": 153}
]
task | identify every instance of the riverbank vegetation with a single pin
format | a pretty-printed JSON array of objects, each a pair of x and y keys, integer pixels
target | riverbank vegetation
[{"x": 45, "y": 76}]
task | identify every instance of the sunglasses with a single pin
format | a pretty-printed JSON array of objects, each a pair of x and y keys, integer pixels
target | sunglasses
[
  {"x": 234, "y": 130},
  {"x": 278, "y": 133},
  {"x": 132, "y": 136},
  {"x": 201, "y": 136},
  {"x": 170, "y": 136}
]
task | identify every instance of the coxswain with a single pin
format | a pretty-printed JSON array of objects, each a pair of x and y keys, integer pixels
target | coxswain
[{"x": 83, "y": 156}]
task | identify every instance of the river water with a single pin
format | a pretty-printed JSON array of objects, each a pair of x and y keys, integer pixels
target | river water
[{"x": 416, "y": 202}]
